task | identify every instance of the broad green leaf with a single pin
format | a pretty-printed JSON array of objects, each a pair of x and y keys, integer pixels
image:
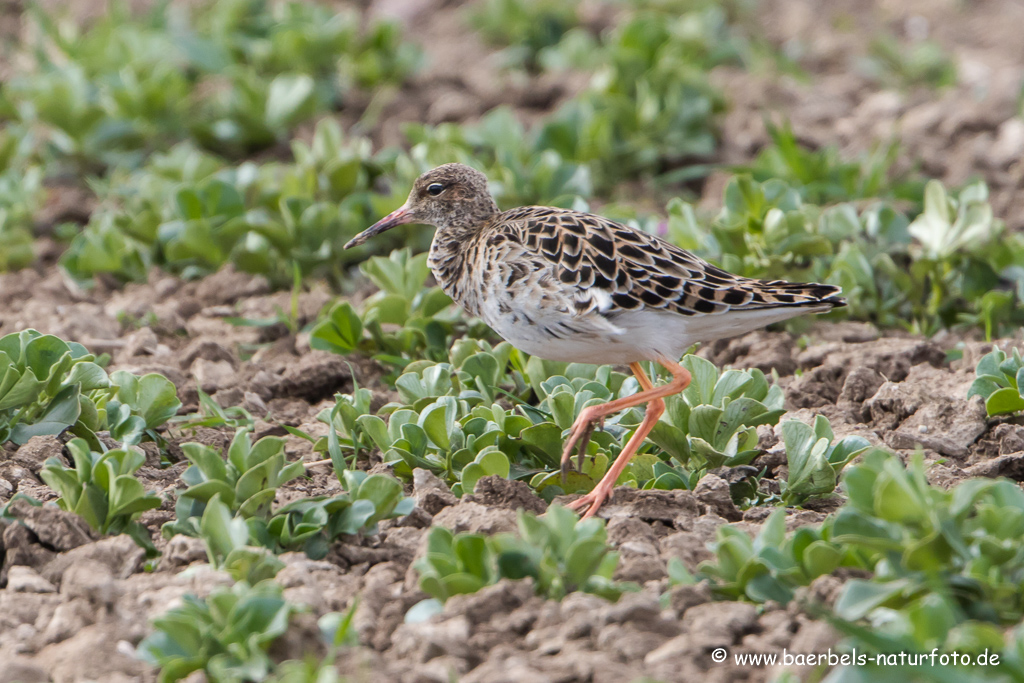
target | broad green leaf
[
  {"x": 859, "y": 597},
  {"x": 63, "y": 411},
  {"x": 1004, "y": 402}
]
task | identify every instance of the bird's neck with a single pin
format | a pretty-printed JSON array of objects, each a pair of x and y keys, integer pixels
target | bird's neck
[{"x": 454, "y": 259}]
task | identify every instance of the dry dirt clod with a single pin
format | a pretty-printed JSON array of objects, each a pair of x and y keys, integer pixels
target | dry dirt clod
[
  {"x": 35, "y": 452},
  {"x": 92, "y": 581},
  {"x": 714, "y": 492},
  {"x": 142, "y": 342},
  {"x": 52, "y": 527},
  {"x": 682, "y": 598},
  {"x": 116, "y": 556},
  {"x": 209, "y": 350},
  {"x": 475, "y": 518},
  {"x": 182, "y": 551},
  {"x": 430, "y": 493},
  {"x": 509, "y": 494},
  {"x": 26, "y": 580},
  {"x": 1010, "y": 466},
  {"x": 312, "y": 377},
  {"x": 212, "y": 376},
  {"x": 22, "y": 670}
]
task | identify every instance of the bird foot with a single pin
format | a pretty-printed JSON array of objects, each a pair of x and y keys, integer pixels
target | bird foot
[
  {"x": 590, "y": 503},
  {"x": 578, "y": 440}
]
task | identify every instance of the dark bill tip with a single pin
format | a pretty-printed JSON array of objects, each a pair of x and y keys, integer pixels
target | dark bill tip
[{"x": 399, "y": 216}]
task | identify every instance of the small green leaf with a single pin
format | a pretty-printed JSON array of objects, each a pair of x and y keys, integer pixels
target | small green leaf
[{"x": 1004, "y": 402}]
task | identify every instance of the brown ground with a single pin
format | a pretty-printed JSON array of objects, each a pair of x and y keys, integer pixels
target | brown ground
[{"x": 74, "y": 607}]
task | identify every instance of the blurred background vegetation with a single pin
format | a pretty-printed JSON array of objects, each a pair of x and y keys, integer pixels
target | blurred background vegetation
[{"x": 187, "y": 136}]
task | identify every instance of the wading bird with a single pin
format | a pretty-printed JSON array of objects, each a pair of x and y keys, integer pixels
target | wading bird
[{"x": 571, "y": 286}]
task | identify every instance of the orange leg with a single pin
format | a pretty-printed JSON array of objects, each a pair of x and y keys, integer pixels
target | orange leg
[{"x": 655, "y": 407}]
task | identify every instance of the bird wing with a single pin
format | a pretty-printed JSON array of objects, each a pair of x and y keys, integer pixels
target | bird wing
[{"x": 617, "y": 268}]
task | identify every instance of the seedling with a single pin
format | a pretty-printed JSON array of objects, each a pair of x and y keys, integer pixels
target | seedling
[
  {"x": 212, "y": 415},
  {"x": 419, "y": 320},
  {"x": 338, "y": 631},
  {"x": 191, "y": 213},
  {"x": 823, "y": 176},
  {"x": 227, "y": 635},
  {"x": 963, "y": 544},
  {"x": 998, "y": 381},
  {"x": 526, "y": 28},
  {"x": 102, "y": 489},
  {"x": 772, "y": 565},
  {"x": 226, "y": 538},
  {"x": 246, "y": 483},
  {"x": 951, "y": 554},
  {"x": 48, "y": 386},
  {"x": 713, "y": 422},
  {"x": 140, "y": 405},
  {"x": 921, "y": 63},
  {"x": 312, "y": 524},
  {"x": 244, "y": 488},
  {"x": 814, "y": 461},
  {"x": 558, "y": 551}
]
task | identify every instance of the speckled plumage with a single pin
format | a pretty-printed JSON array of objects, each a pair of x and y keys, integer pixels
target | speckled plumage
[
  {"x": 567, "y": 285},
  {"x": 572, "y": 286}
]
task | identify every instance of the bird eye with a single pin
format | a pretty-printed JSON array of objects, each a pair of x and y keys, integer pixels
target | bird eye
[{"x": 434, "y": 189}]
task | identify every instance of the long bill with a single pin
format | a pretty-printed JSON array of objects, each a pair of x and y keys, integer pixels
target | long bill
[{"x": 399, "y": 216}]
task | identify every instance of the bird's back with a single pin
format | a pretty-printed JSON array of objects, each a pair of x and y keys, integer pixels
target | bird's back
[{"x": 562, "y": 284}]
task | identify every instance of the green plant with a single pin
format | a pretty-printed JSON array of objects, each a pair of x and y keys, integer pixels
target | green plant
[
  {"x": 246, "y": 482},
  {"x": 456, "y": 564},
  {"x": 448, "y": 421},
  {"x": 236, "y": 76},
  {"x": 244, "y": 488},
  {"x": 338, "y": 632},
  {"x": 102, "y": 489},
  {"x": 941, "y": 564},
  {"x": 527, "y": 28},
  {"x": 523, "y": 167},
  {"x": 946, "y": 229},
  {"x": 461, "y": 448},
  {"x": 814, "y": 461},
  {"x": 48, "y": 386},
  {"x": 212, "y": 415},
  {"x": 227, "y": 635},
  {"x": 998, "y": 381},
  {"x": 560, "y": 553},
  {"x": 226, "y": 538},
  {"x": 312, "y": 524},
  {"x": 189, "y": 212},
  {"x": 922, "y": 63},
  {"x": 772, "y": 565},
  {"x": 713, "y": 422},
  {"x": 344, "y": 427},
  {"x": 983, "y": 654},
  {"x": 962, "y": 547},
  {"x": 952, "y": 265},
  {"x": 140, "y": 405},
  {"x": 21, "y": 196},
  {"x": 424, "y": 317},
  {"x": 42, "y": 383},
  {"x": 823, "y": 176},
  {"x": 652, "y": 108}
]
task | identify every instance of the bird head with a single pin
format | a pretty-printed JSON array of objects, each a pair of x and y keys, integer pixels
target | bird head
[{"x": 449, "y": 196}]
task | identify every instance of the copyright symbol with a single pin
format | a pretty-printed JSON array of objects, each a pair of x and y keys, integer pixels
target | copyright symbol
[{"x": 719, "y": 654}]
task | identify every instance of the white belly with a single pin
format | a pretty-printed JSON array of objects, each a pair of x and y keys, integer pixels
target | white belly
[{"x": 626, "y": 337}]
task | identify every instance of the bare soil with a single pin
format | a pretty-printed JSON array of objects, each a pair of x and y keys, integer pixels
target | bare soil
[{"x": 73, "y": 606}]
